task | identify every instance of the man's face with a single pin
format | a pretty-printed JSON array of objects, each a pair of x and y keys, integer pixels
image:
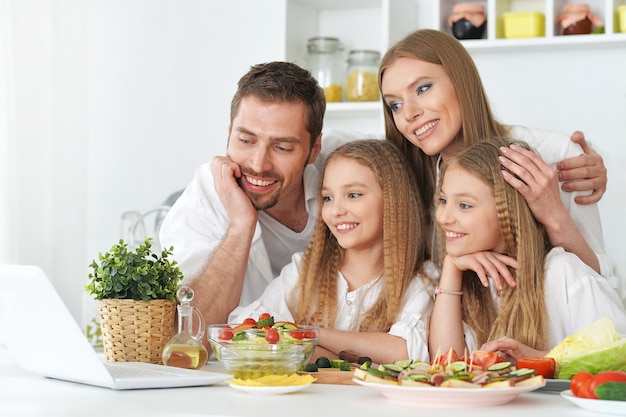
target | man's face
[{"x": 270, "y": 143}]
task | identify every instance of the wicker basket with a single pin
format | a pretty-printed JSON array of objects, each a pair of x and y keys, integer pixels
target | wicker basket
[{"x": 136, "y": 331}]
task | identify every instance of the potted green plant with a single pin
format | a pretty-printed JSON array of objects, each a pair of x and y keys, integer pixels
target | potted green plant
[{"x": 136, "y": 293}]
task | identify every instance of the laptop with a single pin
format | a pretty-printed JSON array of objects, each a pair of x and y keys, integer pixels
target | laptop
[{"x": 43, "y": 338}]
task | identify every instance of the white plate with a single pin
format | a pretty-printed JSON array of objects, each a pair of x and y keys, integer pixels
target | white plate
[
  {"x": 438, "y": 397},
  {"x": 599, "y": 406},
  {"x": 283, "y": 389}
]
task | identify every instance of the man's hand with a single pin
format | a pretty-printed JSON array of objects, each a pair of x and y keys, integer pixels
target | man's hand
[
  {"x": 237, "y": 203},
  {"x": 584, "y": 172}
]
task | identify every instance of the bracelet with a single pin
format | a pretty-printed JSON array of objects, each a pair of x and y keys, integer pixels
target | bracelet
[{"x": 437, "y": 291}]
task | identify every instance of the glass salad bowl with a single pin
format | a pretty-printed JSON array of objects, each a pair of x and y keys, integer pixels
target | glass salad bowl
[{"x": 248, "y": 351}]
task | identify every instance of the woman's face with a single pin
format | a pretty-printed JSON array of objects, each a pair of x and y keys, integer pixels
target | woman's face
[
  {"x": 352, "y": 205},
  {"x": 424, "y": 104},
  {"x": 467, "y": 214}
]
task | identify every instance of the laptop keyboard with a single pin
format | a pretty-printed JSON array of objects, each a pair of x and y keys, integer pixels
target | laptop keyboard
[{"x": 121, "y": 371}]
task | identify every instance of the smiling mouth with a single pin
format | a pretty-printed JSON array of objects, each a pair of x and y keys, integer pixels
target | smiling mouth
[
  {"x": 426, "y": 128},
  {"x": 453, "y": 235},
  {"x": 345, "y": 226},
  {"x": 260, "y": 183}
]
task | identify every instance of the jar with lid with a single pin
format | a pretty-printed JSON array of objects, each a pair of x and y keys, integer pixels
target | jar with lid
[
  {"x": 326, "y": 64},
  {"x": 468, "y": 21},
  {"x": 577, "y": 19},
  {"x": 362, "y": 80}
]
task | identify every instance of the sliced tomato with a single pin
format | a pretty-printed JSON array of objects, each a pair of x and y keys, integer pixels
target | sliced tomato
[
  {"x": 544, "y": 366},
  {"x": 605, "y": 376},
  {"x": 272, "y": 336},
  {"x": 250, "y": 320},
  {"x": 226, "y": 333},
  {"x": 579, "y": 384},
  {"x": 297, "y": 334},
  {"x": 446, "y": 358},
  {"x": 485, "y": 359}
]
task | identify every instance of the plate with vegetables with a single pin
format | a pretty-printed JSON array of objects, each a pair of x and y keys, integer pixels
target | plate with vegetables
[
  {"x": 604, "y": 392},
  {"x": 599, "y": 406},
  {"x": 481, "y": 380}
]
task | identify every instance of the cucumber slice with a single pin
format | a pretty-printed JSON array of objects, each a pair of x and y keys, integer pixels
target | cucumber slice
[
  {"x": 457, "y": 366},
  {"x": 500, "y": 366},
  {"x": 393, "y": 367},
  {"x": 336, "y": 363},
  {"x": 521, "y": 372},
  {"x": 404, "y": 363}
]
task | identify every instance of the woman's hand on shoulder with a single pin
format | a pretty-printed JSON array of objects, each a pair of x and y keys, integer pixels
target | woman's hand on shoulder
[
  {"x": 585, "y": 172},
  {"x": 487, "y": 265},
  {"x": 536, "y": 181},
  {"x": 511, "y": 349}
]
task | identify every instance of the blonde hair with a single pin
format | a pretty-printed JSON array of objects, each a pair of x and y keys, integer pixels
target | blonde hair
[
  {"x": 314, "y": 300},
  {"x": 521, "y": 314},
  {"x": 477, "y": 120}
]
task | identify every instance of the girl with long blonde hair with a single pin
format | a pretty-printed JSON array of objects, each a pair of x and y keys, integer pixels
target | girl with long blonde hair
[
  {"x": 480, "y": 215},
  {"x": 364, "y": 278}
]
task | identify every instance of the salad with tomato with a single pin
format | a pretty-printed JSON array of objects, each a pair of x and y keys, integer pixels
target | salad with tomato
[
  {"x": 266, "y": 330},
  {"x": 480, "y": 369}
]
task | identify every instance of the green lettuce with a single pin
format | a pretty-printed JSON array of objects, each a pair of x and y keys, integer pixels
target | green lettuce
[{"x": 608, "y": 357}]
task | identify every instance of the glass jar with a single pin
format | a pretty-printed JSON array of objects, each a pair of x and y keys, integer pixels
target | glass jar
[
  {"x": 468, "y": 21},
  {"x": 326, "y": 64},
  {"x": 362, "y": 80},
  {"x": 577, "y": 19}
]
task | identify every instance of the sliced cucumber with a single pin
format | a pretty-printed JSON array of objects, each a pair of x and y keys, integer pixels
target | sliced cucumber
[
  {"x": 521, "y": 372},
  {"x": 404, "y": 363},
  {"x": 500, "y": 366}
]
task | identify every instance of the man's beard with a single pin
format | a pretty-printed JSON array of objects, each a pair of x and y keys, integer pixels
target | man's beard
[{"x": 263, "y": 202}]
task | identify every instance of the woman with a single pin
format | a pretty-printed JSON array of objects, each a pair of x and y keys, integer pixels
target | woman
[
  {"x": 479, "y": 212},
  {"x": 434, "y": 104},
  {"x": 364, "y": 277}
]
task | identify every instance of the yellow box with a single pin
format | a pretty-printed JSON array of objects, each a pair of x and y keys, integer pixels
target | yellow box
[
  {"x": 621, "y": 10},
  {"x": 524, "y": 24}
]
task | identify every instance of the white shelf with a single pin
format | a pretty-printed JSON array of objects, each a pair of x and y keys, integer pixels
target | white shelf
[{"x": 376, "y": 24}]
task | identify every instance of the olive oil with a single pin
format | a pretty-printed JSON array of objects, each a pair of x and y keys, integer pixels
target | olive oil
[
  {"x": 185, "y": 356},
  {"x": 185, "y": 349}
]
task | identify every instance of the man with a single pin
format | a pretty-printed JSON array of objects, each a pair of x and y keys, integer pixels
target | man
[{"x": 245, "y": 214}]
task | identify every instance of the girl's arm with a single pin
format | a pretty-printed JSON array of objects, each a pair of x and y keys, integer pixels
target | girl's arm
[
  {"x": 381, "y": 347},
  {"x": 446, "y": 322}
]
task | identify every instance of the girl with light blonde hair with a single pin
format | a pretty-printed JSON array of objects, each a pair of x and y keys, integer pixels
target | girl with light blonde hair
[
  {"x": 481, "y": 216},
  {"x": 364, "y": 278}
]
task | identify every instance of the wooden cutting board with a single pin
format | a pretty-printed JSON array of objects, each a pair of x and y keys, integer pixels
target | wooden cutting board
[{"x": 331, "y": 376}]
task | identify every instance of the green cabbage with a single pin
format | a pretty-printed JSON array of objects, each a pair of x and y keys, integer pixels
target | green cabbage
[
  {"x": 611, "y": 357},
  {"x": 598, "y": 334}
]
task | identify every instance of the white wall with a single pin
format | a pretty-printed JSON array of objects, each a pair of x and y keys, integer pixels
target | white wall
[{"x": 141, "y": 94}]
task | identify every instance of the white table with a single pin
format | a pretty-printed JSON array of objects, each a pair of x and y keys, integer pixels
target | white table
[{"x": 25, "y": 394}]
